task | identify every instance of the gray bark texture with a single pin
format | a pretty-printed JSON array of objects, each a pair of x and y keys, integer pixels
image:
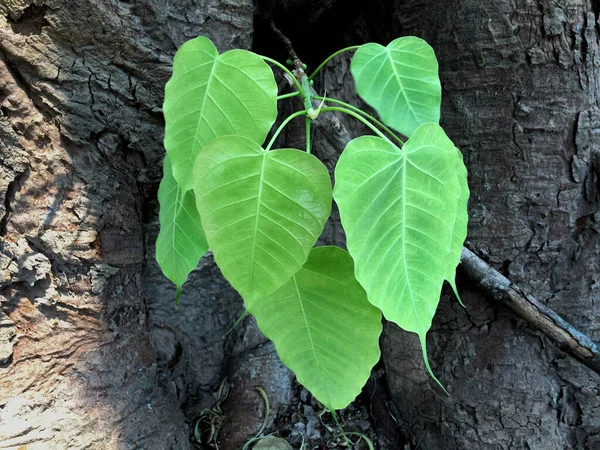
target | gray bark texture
[
  {"x": 93, "y": 354},
  {"x": 521, "y": 89}
]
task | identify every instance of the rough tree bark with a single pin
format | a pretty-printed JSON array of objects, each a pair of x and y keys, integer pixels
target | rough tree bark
[
  {"x": 521, "y": 84},
  {"x": 88, "y": 326},
  {"x": 92, "y": 353}
]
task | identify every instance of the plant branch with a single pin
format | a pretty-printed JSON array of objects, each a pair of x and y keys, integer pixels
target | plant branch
[
  {"x": 300, "y": 74},
  {"x": 564, "y": 335},
  {"x": 299, "y": 68}
]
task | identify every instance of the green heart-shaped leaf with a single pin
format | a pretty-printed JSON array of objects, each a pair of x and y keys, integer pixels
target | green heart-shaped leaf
[
  {"x": 181, "y": 241},
  {"x": 261, "y": 211},
  {"x": 212, "y": 95},
  {"x": 323, "y": 327},
  {"x": 398, "y": 208},
  {"x": 400, "y": 81}
]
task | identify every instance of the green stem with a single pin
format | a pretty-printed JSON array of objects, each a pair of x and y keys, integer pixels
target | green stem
[
  {"x": 362, "y": 436},
  {"x": 286, "y": 70},
  {"x": 258, "y": 435},
  {"x": 357, "y": 117},
  {"x": 339, "y": 425},
  {"x": 306, "y": 94},
  {"x": 364, "y": 114},
  {"x": 263, "y": 394},
  {"x": 291, "y": 94},
  {"x": 308, "y": 120},
  {"x": 347, "y": 49},
  {"x": 282, "y": 126}
]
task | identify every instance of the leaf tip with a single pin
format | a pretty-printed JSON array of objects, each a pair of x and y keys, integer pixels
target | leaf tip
[
  {"x": 422, "y": 339},
  {"x": 238, "y": 321},
  {"x": 177, "y": 295},
  {"x": 455, "y": 289}
]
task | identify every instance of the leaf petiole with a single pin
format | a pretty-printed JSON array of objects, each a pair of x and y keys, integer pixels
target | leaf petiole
[
  {"x": 282, "y": 126},
  {"x": 357, "y": 117},
  {"x": 308, "y": 121},
  {"x": 286, "y": 70},
  {"x": 362, "y": 113},
  {"x": 290, "y": 95},
  {"x": 339, "y": 52}
]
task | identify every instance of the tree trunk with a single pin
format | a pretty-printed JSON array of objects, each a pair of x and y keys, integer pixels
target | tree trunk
[
  {"x": 521, "y": 90},
  {"x": 92, "y": 352}
]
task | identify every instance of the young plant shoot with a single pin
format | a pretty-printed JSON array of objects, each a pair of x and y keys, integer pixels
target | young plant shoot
[{"x": 402, "y": 202}]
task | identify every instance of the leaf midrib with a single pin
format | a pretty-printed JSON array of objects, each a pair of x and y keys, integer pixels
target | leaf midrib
[
  {"x": 196, "y": 139},
  {"x": 258, "y": 204},
  {"x": 408, "y": 103},
  {"x": 312, "y": 345},
  {"x": 412, "y": 297}
]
